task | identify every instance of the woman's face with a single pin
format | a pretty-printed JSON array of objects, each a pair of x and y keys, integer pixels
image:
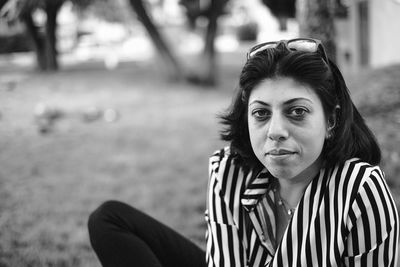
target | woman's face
[{"x": 287, "y": 128}]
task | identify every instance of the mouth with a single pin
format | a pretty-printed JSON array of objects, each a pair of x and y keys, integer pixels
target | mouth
[{"x": 279, "y": 153}]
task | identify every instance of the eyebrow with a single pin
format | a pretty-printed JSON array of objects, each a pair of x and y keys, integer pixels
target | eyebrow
[{"x": 288, "y": 102}]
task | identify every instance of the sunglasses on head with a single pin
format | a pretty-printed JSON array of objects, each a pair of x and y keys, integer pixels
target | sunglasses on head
[{"x": 297, "y": 44}]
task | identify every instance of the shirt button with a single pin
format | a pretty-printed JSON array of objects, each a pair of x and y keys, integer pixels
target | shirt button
[{"x": 263, "y": 237}]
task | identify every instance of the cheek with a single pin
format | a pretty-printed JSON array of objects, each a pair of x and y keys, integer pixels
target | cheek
[
  {"x": 313, "y": 140},
  {"x": 255, "y": 135},
  {"x": 257, "y": 140}
]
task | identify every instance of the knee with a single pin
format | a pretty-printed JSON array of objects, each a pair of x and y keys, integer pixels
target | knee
[{"x": 100, "y": 217}]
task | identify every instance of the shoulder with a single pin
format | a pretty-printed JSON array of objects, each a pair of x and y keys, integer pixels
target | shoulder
[
  {"x": 368, "y": 195},
  {"x": 224, "y": 157},
  {"x": 228, "y": 169},
  {"x": 358, "y": 171},
  {"x": 361, "y": 181}
]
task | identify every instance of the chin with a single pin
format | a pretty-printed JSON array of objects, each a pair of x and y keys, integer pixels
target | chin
[{"x": 281, "y": 173}]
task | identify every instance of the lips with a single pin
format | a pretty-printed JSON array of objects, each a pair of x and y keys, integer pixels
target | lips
[{"x": 279, "y": 152}]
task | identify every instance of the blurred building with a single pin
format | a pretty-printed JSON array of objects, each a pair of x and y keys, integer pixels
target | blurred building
[{"x": 369, "y": 34}]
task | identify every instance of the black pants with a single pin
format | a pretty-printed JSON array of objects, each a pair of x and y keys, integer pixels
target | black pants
[{"x": 123, "y": 236}]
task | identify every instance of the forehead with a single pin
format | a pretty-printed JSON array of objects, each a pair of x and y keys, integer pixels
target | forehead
[{"x": 280, "y": 90}]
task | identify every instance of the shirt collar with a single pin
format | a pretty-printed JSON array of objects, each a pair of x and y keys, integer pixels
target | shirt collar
[{"x": 256, "y": 189}]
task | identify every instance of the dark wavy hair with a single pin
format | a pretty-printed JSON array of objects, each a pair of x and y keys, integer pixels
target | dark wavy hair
[{"x": 351, "y": 136}]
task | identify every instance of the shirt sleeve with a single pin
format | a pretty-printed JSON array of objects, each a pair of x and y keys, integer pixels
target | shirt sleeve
[
  {"x": 374, "y": 226},
  {"x": 224, "y": 243}
]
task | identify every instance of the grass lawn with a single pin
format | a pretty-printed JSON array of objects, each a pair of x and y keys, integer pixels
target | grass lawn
[{"x": 154, "y": 156}]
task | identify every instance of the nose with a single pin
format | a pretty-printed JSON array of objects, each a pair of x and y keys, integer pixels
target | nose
[{"x": 277, "y": 129}]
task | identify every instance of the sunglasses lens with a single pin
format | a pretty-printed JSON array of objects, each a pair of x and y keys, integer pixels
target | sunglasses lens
[
  {"x": 303, "y": 45},
  {"x": 260, "y": 48}
]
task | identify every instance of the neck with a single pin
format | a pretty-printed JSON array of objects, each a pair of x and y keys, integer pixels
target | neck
[
  {"x": 292, "y": 190},
  {"x": 291, "y": 193}
]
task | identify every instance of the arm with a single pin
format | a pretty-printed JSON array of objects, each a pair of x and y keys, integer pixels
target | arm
[
  {"x": 374, "y": 225},
  {"x": 224, "y": 243}
]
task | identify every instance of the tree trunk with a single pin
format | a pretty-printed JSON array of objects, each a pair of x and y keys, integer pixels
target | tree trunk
[
  {"x": 52, "y": 8},
  {"x": 172, "y": 64},
  {"x": 207, "y": 71},
  {"x": 316, "y": 20},
  {"x": 209, "y": 47},
  {"x": 37, "y": 40}
]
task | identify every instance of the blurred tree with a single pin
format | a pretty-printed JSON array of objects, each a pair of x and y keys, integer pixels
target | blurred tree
[
  {"x": 316, "y": 19},
  {"x": 282, "y": 10},
  {"x": 44, "y": 40},
  {"x": 109, "y": 10},
  {"x": 211, "y": 10},
  {"x": 2, "y": 3},
  {"x": 341, "y": 9},
  {"x": 206, "y": 66},
  {"x": 44, "y": 44},
  {"x": 172, "y": 65}
]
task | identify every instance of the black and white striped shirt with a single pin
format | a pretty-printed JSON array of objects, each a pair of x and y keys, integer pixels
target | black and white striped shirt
[{"x": 346, "y": 217}]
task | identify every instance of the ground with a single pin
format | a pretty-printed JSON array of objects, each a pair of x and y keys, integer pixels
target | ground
[{"x": 127, "y": 134}]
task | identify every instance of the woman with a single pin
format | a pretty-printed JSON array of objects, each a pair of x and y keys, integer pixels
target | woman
[{"x": 299, "y": 184}]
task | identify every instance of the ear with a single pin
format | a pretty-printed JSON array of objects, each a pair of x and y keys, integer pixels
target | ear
[{"x": 332, "y": 121}]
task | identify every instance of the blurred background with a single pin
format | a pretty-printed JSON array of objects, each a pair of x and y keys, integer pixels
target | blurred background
[{"x": 119, "y": 99}]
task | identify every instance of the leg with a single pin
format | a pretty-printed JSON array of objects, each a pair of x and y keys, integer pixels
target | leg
[{"x": 123, "y": 236}]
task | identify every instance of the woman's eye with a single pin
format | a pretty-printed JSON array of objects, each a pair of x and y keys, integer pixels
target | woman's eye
[
  {"x": 298, "y": 112},
  {"x": 260, "y": 114}
]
